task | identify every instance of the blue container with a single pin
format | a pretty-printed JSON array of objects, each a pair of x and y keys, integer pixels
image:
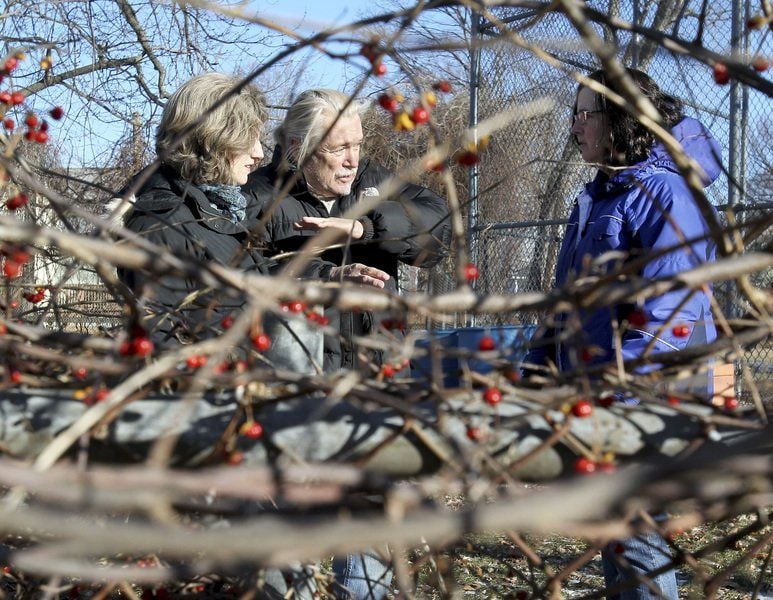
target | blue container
[{"x": 460, "y": 344}]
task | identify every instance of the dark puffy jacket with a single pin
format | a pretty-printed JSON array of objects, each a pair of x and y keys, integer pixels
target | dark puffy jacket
[
  {"x": 634, "y": 211},
  {"x": 411, "y": 227},
  {"x": 176, "y": 214}
]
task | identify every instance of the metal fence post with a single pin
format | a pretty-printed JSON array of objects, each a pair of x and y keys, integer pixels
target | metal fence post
[
  {"x": 739, "y": 100},
  {"x": 472, "y": 208}
]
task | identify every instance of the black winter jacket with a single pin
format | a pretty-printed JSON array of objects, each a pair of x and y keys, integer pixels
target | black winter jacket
[
  {"x": 176, "y": 214},
  {"x": 411, "y": 227}
]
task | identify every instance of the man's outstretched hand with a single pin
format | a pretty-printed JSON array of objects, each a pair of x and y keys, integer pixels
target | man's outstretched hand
[{"x": 359, "y": 273}]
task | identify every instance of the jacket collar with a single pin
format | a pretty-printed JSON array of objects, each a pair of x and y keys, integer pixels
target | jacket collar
[{"x": 165, "y": 188}]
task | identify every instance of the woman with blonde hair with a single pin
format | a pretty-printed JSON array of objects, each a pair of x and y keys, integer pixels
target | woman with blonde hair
[{"x": 208, "y": 142}]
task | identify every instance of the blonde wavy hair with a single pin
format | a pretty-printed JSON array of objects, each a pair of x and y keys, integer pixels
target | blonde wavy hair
[
  {"x": 206, "y": 152},
  {"x": 308, "y": 119}
]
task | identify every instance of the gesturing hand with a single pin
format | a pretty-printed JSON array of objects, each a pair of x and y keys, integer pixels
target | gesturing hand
[
  {"x": 359, "y": 273},
  {"x": 343, "y": 226}
]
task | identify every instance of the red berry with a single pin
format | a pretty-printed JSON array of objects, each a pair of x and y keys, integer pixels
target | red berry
[
  {"x": 606, "y": 401},
  {"x": 582, "y": 409},
  {"x": 41, "y": 137},
  {"x": 5, "y": 97},
  {"x": 11, "y": 269},
  {"x": 637, "y": 318},
  {"x": 486, "y": 343},
  {"x": 369, "y": 51},
  {"x": 101, "y": 394},
  {"x": 17, "y": 98},
  {"x": 296, "y": 306},
  {"x": 471, "y": 272},
  {"x": 492, "y": 396},
  {"x": 223, "y": 367},
  {"x": 380, "y": 69},
  {"x": 57, "y": 113},
  {"x": 17, "y": 201},
  {"x": 512, "y": 375},
  {"x": 586, "y": 355},
  {"x": 11, "y": 63},
  {"x": 31, "y": 120},
  {"x": 80, "y": 373},
  {"x": 388, "y": 370},
  {"x": 30, "y": 135},
  {"x": 43, "y": 126},
  {"x": 619, "y": 548},
  {"x": 420, "y": 115},
  {"x": 196, "y": 361},
  {"x": 756, "y": 22},
  {"x": 141, "y": 346},
  {"x": 721, "y": 73},
  {"x": 9, "y": 123},
  {"x": 227, "y": 322},
  {"x": 475, "y": 434},
  {"x": 388, "y": 103},
  {"x": 252, "y": 430},
  {"x": 584, "y": 466},
  {"x": 261, "y": 342},
  {"x": 442, "y": 86},
  {"x": 468, "y": 159},
  {"x": 14, "y": 375},
  {"x": 235, "y": 458},
  {"x": 731, "y": 403},
  {"x": 760, "y": 64},
  {"x": 673, "y": 400},
  {"x": 680, "y": 331}
]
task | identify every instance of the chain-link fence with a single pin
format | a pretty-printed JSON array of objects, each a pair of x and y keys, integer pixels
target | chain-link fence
[{"x": 531, "y": 171}]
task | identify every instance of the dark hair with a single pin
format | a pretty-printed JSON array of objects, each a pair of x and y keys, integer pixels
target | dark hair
[{"x": 632, "y": 142}]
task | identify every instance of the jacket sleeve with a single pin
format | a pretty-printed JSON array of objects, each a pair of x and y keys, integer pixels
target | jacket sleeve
[
  {"x": 660, "y": 216},
  {"x": 413, "y": 226}
]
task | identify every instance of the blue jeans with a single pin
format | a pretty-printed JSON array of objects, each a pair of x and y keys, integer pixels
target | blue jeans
[
  {"x": 643, "y": 553},
  {"x": 361, "y": 577}
]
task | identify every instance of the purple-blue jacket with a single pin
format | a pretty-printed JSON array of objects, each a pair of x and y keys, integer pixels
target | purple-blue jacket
[{"x": 635, "y": 211}]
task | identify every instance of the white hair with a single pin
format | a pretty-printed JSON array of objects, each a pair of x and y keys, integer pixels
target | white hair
[{"x": 308, "y": 119}]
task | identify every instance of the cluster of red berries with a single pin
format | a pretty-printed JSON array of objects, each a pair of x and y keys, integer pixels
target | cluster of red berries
[
  {"x": 586, "y": 466},
  {"x": 238, "y": 366},
  {"x": 196, "y": 361},
  {"x": 408, "y": 119},
  {"x": 251, "y": 429},
  {"x": 15, "y": 259},
  {"x": 37, "y": 129},
  {"x": 37, "y": 296},
  {"x": 375, "y": 55},
  {"x": 91, "y": 396},
  {"x": 298, "y": 307},
  {"x": 138, "y": 344},
  {"x": 391, "y": 369},
  {"x": 721, "y": 72}
]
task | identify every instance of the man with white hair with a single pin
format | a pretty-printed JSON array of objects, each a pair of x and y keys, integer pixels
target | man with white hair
[
  {"x": 318, "y": 145},
  {"x": 317, "y": 158}
]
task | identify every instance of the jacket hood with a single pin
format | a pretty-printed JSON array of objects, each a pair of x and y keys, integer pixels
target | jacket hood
[{"x": 698, "y": 144}]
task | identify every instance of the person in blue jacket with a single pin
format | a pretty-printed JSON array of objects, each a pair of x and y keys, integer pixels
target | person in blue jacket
[{"x": 639, "y": 206}]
